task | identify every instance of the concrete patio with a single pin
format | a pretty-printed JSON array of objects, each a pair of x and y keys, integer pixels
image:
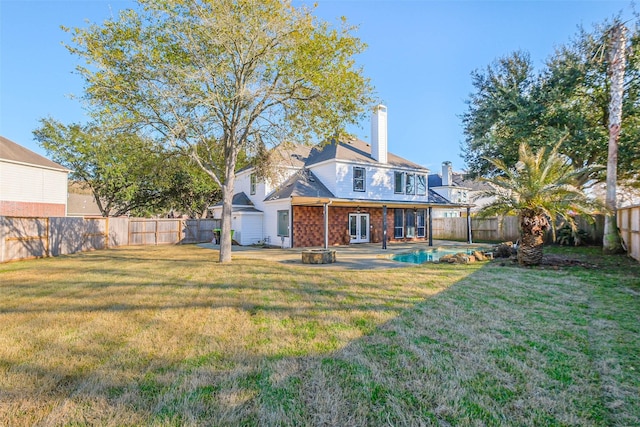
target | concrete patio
[{"x": 363, "y": 256}]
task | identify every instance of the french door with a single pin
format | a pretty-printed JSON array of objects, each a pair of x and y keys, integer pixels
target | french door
[{"x": 359, "y": 227}]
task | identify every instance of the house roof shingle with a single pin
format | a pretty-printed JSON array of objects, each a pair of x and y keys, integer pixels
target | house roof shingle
[
  {"x": 436, "y": 198},
  {"x": 301, "y": 184},
  {"x": 461, "y": 180},
  {"x": 13, "y": 152},
  {"x": 357, "y": 151}
]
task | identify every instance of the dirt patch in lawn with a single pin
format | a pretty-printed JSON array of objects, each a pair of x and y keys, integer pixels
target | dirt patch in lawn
[{"x": 589, "y": 259}]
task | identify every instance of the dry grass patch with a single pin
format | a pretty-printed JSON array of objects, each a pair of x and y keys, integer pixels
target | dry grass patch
[{"x": 167, "y": 336}]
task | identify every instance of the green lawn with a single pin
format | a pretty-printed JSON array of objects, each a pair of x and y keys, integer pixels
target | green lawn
[{"x": 167, "y": 336}]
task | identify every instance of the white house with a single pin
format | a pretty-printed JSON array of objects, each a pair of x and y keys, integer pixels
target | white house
[
  {"x": 340, "y": 193},
  {"x": 30, "y": 185},
  {"x": 445, "y": 185},
  {"x": 458, "y": 188}
]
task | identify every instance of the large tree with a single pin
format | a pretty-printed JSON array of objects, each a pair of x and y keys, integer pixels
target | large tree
[
  {"x": 538, "y": 188},
  {"x": 216, "y": 78},
  {"x": 502, "y": 113},
  {"x": 568, "y": 98},
  {"x": 125, "y": 173}
]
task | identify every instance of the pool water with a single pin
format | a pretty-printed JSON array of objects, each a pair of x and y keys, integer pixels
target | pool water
[{"x": 430, "y": 255}]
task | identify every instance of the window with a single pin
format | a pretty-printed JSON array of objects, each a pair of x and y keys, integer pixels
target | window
[
  {"x": 399, "y": 182},
  {"x": 420, "y": 223},
  {"x": 421, "y": 185},
  {"x": 254, "y": 182},
  {"x": 283, "y": 223},
  {"x": 411, "y": 223},
  {"x": 410, "y": 187},
  {"x": 398, "y": 223},
  {"x": 358, "y": 179}
]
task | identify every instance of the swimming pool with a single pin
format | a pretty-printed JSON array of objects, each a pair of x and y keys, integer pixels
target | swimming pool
[{"x": 430, "y": 255}]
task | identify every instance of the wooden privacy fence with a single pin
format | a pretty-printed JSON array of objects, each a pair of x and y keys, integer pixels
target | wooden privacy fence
[
  {"x": 500, "y": 229},
  {"x": 24, "y": 238},
  {"x": 629, "y": 225}
]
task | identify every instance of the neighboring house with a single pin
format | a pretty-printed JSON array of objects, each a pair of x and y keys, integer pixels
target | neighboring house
[
  {"x": 445, "y": 185},
  {"x": 30, "y": 185},
  {"x": 457, "y": 188},
  {"x": 81, "y": 201},
  {"x": 335, "y": 194}
]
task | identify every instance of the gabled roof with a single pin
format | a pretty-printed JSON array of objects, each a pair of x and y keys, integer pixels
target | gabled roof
[
  {"x": 303, "y": 183},
  {"x": 461, "y": 180},
  {"x": 15, "y": 153},
  {"x": 287, "y": 155},
  {"x": 436, "y": 198},
  {"x": 356, "y": 151},
  {"x": 294, "y": 155},
  {"x": 241, "y": 199},
  {"x": 457, "y": 180},
  {"x": 240, "y": 202},
  {"x": 434, "y": 180}
]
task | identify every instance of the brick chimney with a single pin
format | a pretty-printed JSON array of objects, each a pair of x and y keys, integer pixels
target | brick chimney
[{"x": 379, "y": 144}]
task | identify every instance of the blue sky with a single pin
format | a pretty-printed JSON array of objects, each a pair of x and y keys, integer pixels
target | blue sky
[{"x": 420, "y": 57}]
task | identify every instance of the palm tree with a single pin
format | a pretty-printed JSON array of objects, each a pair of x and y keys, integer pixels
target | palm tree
[{"x": 537, "y": 189}]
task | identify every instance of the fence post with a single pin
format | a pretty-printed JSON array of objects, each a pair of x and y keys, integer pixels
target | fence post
[
  {"x": 469, "y": 238},
  {"x": 3, "y": 236},
  {"x": 47, "y": 248}
]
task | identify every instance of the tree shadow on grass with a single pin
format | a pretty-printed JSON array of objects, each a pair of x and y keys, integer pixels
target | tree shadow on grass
[{"x": 344, "y": 350}]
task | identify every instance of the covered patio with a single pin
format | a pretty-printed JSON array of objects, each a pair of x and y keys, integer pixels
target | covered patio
[{"x": 329, "y": 222}]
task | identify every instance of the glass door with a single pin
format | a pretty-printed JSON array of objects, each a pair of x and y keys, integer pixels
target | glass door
[{"x": 359, "y": 227}]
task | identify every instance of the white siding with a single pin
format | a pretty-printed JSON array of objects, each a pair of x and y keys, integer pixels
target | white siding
[
  {"x": 271, "y": 222},
  {"x": 263, "y": 187},
  {"x": 248, "y": 227},
  {"x": 446, "y": 213},
  {"x": 326, "y": 173},
  {"x": 379, "y": 184},
  {"x": 443, "y": 191},
  {"x": 23, "y": 183}
]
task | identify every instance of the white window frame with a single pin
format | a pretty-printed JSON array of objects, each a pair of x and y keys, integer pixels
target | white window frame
[
  {"x": 421, "y": 191},
  {"x": 410, "y": 179},
  {"x": 359, "y": 180},
  {"x": 395, "y": 182},
  {"x": 253, "y": 183}
]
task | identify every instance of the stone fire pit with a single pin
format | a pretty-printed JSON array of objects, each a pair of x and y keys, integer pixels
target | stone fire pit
[{"x": 318, "y": 256}]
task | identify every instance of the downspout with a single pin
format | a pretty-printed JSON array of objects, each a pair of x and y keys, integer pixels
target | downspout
[{"x": 291, "y": 226}]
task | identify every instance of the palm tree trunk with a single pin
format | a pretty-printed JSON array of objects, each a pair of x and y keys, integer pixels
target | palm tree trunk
[
  {"x": 533, "y": 225},
  {"x": 612, "y": 242}
]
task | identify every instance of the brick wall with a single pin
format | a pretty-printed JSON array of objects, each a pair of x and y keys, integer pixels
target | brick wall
[
  {"x": 31, "y": 209},
  {"x": 308, "y": 225}
]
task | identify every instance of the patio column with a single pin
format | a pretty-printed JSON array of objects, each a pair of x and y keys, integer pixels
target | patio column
[
  {"x": 384, "y": 226},
  {"x": 326, "y": 225},
  {"x": 469, "y": 239},
  {"x": 430, "y": 226}
]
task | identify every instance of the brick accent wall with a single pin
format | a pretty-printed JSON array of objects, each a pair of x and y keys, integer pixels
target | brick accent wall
[
  {"x": 30, "y": 209},
  {"x": 308, "y": 225}
]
